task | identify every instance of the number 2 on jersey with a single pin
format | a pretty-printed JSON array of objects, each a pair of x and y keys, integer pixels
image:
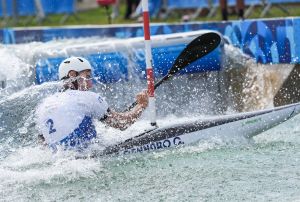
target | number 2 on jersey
[{"x": 50, "y": 125}]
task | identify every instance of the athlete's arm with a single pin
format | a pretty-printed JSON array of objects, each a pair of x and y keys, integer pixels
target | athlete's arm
[{"x": 122, "y": 120}]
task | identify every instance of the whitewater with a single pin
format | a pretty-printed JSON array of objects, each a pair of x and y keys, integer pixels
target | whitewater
[{"x": 264, "y": 168}]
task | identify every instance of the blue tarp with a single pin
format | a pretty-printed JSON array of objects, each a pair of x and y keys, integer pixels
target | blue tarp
[
  {"x": 233, "y": 2},
  {"x": 8, "y": 9},
  {"x": 253, "y": 2},
  {"x": 28, "y": 8},
  {"x": 175, "y": 4},
  {"x": 58, "y": 6},
  {"x": 282, "y": 1},
  {"x": 24, "y": 8},
  {"x": 154, "y": 7},
  {"x": 1, "y": 10}
]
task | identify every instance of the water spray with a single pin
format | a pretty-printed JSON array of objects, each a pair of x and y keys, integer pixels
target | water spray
[{"x": 2, "y": 80}]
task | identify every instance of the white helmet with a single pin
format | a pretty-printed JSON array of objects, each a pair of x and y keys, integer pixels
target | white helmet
[{"x": 77, "y": 64}]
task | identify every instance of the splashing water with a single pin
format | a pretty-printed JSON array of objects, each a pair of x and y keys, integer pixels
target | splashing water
[
  {"x": 252, "y": 85},
  {"x": 215, "y": 169},
  {"x": 262, "y": 83},
  {"x": 16, "y": 73}
]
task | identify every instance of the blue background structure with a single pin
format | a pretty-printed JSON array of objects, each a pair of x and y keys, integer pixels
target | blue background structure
[
  {"x": 112, "y": 67},
  {"x": 268, "y": 41}
]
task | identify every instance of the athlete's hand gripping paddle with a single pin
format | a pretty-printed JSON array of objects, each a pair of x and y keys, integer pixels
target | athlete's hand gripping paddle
[{"x": 196, "y": 49}]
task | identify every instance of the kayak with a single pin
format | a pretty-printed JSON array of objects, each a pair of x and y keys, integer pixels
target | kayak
[{"x": 246, "y": 124}]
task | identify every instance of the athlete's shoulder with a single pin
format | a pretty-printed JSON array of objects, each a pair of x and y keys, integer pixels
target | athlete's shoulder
[{"x": 91, "y": 94}]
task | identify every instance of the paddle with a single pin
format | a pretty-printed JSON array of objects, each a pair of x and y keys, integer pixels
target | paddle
[{"x": 196, "y": 49}]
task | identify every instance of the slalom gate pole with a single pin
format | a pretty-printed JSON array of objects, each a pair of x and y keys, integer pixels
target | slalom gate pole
[{"x": 149, "y": 70}]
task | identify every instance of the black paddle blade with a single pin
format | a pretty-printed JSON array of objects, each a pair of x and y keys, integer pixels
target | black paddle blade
[
  {"x": 196, "y": 49},
  {"x": 199, "y": 47}
]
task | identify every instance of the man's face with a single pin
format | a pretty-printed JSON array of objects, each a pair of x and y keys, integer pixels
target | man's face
[{"x": 85, "y": 81}]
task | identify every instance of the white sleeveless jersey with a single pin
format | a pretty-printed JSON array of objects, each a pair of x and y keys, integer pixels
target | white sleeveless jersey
[{"x": 63, "y": 113}]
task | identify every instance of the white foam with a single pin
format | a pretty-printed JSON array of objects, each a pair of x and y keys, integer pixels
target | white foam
[
  {"x": 11, "y": 66},
  {"x": 33, "y": 165}
]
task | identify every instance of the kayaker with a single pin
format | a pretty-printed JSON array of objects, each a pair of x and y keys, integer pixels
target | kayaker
[{"x": 67, "y": 118}]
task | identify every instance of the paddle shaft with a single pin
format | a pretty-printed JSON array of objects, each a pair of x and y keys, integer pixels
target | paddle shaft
[
  {"x": 165, "y": 78},
  {"x": 199, "y": 47}
]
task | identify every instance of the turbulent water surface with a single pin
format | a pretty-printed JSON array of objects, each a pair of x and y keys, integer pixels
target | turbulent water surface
[{"x": 265, "y": 168}]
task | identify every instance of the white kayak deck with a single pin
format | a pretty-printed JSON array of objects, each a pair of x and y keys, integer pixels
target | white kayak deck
[{"x": 243, "y": 124}]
